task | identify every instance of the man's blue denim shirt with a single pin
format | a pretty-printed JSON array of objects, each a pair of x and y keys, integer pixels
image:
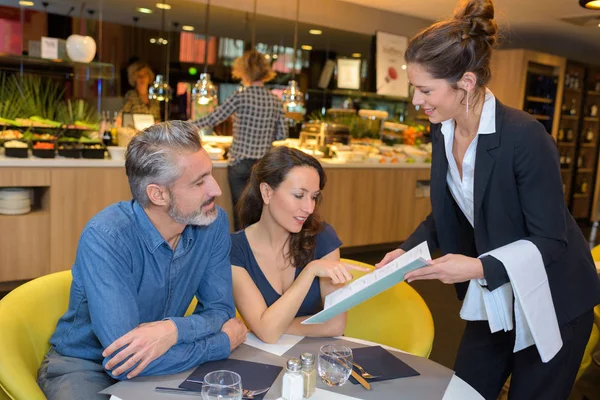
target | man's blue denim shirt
[{"x": 126, "y": 274}]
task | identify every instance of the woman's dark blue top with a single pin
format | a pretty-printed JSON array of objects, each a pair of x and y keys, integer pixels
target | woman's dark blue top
[{"x": 241, "y": 255}]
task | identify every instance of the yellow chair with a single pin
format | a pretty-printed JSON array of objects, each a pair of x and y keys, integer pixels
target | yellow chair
[
  {"x": 28, "y": 317},
  {"x": 595, "y": 334},
  {"x": 397, "y": 318}
]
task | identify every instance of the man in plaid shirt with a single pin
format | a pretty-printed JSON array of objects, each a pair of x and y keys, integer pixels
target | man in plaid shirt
[{"x": 258, "y": 120}]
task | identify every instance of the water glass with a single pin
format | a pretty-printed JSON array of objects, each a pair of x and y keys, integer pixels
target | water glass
[
  {"x": 222, "y": 385},
  {"x": 335, "y": 364}
]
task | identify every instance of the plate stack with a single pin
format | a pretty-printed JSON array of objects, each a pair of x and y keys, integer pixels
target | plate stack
[{"x": 15, "y": 201}]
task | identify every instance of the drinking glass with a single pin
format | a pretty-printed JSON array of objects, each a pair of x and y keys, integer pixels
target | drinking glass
[
  {"x": 222, "y": 385},
  {"x": 335, "y": 364}
]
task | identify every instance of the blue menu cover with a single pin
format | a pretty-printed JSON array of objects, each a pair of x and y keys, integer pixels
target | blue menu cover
[{"x": 371, "y": 284}]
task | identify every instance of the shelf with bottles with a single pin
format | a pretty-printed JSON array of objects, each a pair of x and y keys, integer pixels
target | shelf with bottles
[
  {"x": 566, "y": 157},
  {"x": 566, "y": 136}
]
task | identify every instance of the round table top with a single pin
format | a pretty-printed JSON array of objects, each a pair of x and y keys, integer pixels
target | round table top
[{"x": 434, "y": 381}]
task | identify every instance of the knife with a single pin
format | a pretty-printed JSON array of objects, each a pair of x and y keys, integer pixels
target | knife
[{"x": 361, "y": 380}]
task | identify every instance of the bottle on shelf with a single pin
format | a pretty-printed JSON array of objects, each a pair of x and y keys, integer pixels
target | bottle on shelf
[
  {"x": 576, "y": 81},
  {"x": 579, "y": 161},
  {"x": 584, "y": 187},
  {"x": 568, "y": 80},
  {"x": 594, "y": 111},
  {"x": 568, "y": 160},
  {"x": 561, "y": 135},
  {"x": 113, "y": 130},
  {"x": 562, "y": 160},
  {"x": 589, "y": 135},
  {"x": 106, "y": 136},
  {"x": 573, "y": 110},
  {"x": 569, "y": 135}
]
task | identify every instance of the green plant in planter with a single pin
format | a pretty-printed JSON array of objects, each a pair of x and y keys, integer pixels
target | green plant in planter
[
  {"x": 41, "y": 97},
  {"x": 78, "y": 112},
  {"x": 11, "y": 102}
]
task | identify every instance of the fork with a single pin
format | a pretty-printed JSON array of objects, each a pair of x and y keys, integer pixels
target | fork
[
  {"x": 249, "y": 394},
  {"x": 364, "y": 373}
]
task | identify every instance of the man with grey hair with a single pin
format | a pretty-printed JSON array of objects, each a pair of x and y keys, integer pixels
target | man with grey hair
[{"x": 138, "y": 266}]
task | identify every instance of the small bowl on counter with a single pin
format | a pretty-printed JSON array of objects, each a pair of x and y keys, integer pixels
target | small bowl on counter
[
  {"x": 16, "y": 149},
  {"x": 44, "y": 150},
  {"x": 95, "y": 151},
  {"x": 116, "y": 152},
  {"x": 69, "y": 149}
]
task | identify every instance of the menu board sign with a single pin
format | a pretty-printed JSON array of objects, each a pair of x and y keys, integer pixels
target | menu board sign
[{"x": 392, "y": 79}]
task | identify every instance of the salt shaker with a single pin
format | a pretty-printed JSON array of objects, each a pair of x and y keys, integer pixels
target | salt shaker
[
  {"x": 309, "y": 374},
  {"x": 293, "y": 382}
]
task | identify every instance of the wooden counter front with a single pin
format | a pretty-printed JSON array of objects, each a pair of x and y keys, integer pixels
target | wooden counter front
[{"x": 366, "y": 206}]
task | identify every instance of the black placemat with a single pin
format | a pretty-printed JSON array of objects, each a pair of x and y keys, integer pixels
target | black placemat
[
  {"x": 254, "y": 375},
  {"x": 378, "y": 361}
]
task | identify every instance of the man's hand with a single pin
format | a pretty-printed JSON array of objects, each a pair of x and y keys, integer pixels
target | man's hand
[
  {"x": 236, "y": 330},
  {"x": 451, "y": 268},
  {"x": 144, "y": 344}
]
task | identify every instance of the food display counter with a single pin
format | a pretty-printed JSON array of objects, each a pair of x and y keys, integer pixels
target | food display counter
[{"x": 367, "y": 204}]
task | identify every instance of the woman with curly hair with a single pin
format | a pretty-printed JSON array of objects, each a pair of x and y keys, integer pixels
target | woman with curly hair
[
  {"x": 257, "y": 119},
  {"x": 286, "y": 260}
]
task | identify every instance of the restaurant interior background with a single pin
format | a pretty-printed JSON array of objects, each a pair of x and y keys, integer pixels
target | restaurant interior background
[{"x": 552, "y": 38}]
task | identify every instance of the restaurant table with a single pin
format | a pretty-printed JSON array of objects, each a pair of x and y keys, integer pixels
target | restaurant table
[{"x": 434, "y": 382}]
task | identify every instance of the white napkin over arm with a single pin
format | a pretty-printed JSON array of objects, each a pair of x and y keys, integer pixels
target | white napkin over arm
[{"x": 535, "y": 315}]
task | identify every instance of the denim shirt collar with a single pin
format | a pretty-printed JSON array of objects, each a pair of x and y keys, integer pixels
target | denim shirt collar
[{"x": 152, "y": 236}]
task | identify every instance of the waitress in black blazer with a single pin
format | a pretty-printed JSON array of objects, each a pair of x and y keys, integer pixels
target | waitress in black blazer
[{"x": 495, "y": 179}]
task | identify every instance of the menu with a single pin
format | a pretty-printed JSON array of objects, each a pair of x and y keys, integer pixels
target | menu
[{"x": 371, "y": 284}]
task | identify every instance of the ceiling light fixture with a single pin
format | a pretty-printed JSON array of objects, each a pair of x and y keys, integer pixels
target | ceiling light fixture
[
  {"x": 356, "y": 55},
  {"x": 591, "y": 4},
  {"x": 144, "y": 10},
  {"x": 163, "y": 6},
  {"x": 315, "y": 32},
  {"x": 26, "y": 3},
  {"x": 188, "y": 28},
  {"x": 306, "y": 47}
]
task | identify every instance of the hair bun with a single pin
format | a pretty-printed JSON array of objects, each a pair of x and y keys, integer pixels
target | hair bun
[{"x": 478, "y": 17}]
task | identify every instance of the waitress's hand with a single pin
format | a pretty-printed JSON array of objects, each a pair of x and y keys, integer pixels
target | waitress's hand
[
  {"x": 389, "y": 257},
  {"x": 451, "y": 268}
]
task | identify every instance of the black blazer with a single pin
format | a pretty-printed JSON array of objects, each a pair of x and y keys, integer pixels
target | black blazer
[{"x": 518, "y": 194}]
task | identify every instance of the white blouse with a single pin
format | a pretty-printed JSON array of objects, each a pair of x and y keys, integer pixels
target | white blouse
[{"x": 462, "y": 190}]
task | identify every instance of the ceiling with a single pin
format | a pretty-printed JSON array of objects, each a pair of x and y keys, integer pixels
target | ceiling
[
  {"x": 540, "y": 24},
  {"x": 535, "y": 24}
]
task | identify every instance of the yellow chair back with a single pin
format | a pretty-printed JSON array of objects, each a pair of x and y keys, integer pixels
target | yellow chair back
[
  {"x": 398, "y": 317},
  {"x": 595, "y": 334},
  {"x": 28, "y": 317}
]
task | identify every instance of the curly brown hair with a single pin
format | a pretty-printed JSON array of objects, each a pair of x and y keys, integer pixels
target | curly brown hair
[
  {"x": 252, "y": 66},
  {"x": 272, "y": 169}
]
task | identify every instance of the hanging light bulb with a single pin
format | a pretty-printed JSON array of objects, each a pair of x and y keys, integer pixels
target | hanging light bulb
[
  {"x": 293, "y": 98},
  {"x": 204, "y": 91},
  {"x": 159, "y": 90}
]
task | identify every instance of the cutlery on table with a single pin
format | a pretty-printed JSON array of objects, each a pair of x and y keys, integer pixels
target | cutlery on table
[
  {"x": 246, "y": 393},
  {"x": 364, "y": 373}
]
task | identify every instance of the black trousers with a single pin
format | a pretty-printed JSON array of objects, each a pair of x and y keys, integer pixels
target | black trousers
[
  {"x": 238, "y": 176},
  {"x": 485, "y": 360}
]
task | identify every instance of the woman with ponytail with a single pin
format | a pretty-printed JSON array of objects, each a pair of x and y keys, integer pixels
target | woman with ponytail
[
  {"x": 257, "y": 120},
  {"x": 499, "y": 219},
  {"x": 286, "y": 260}
]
